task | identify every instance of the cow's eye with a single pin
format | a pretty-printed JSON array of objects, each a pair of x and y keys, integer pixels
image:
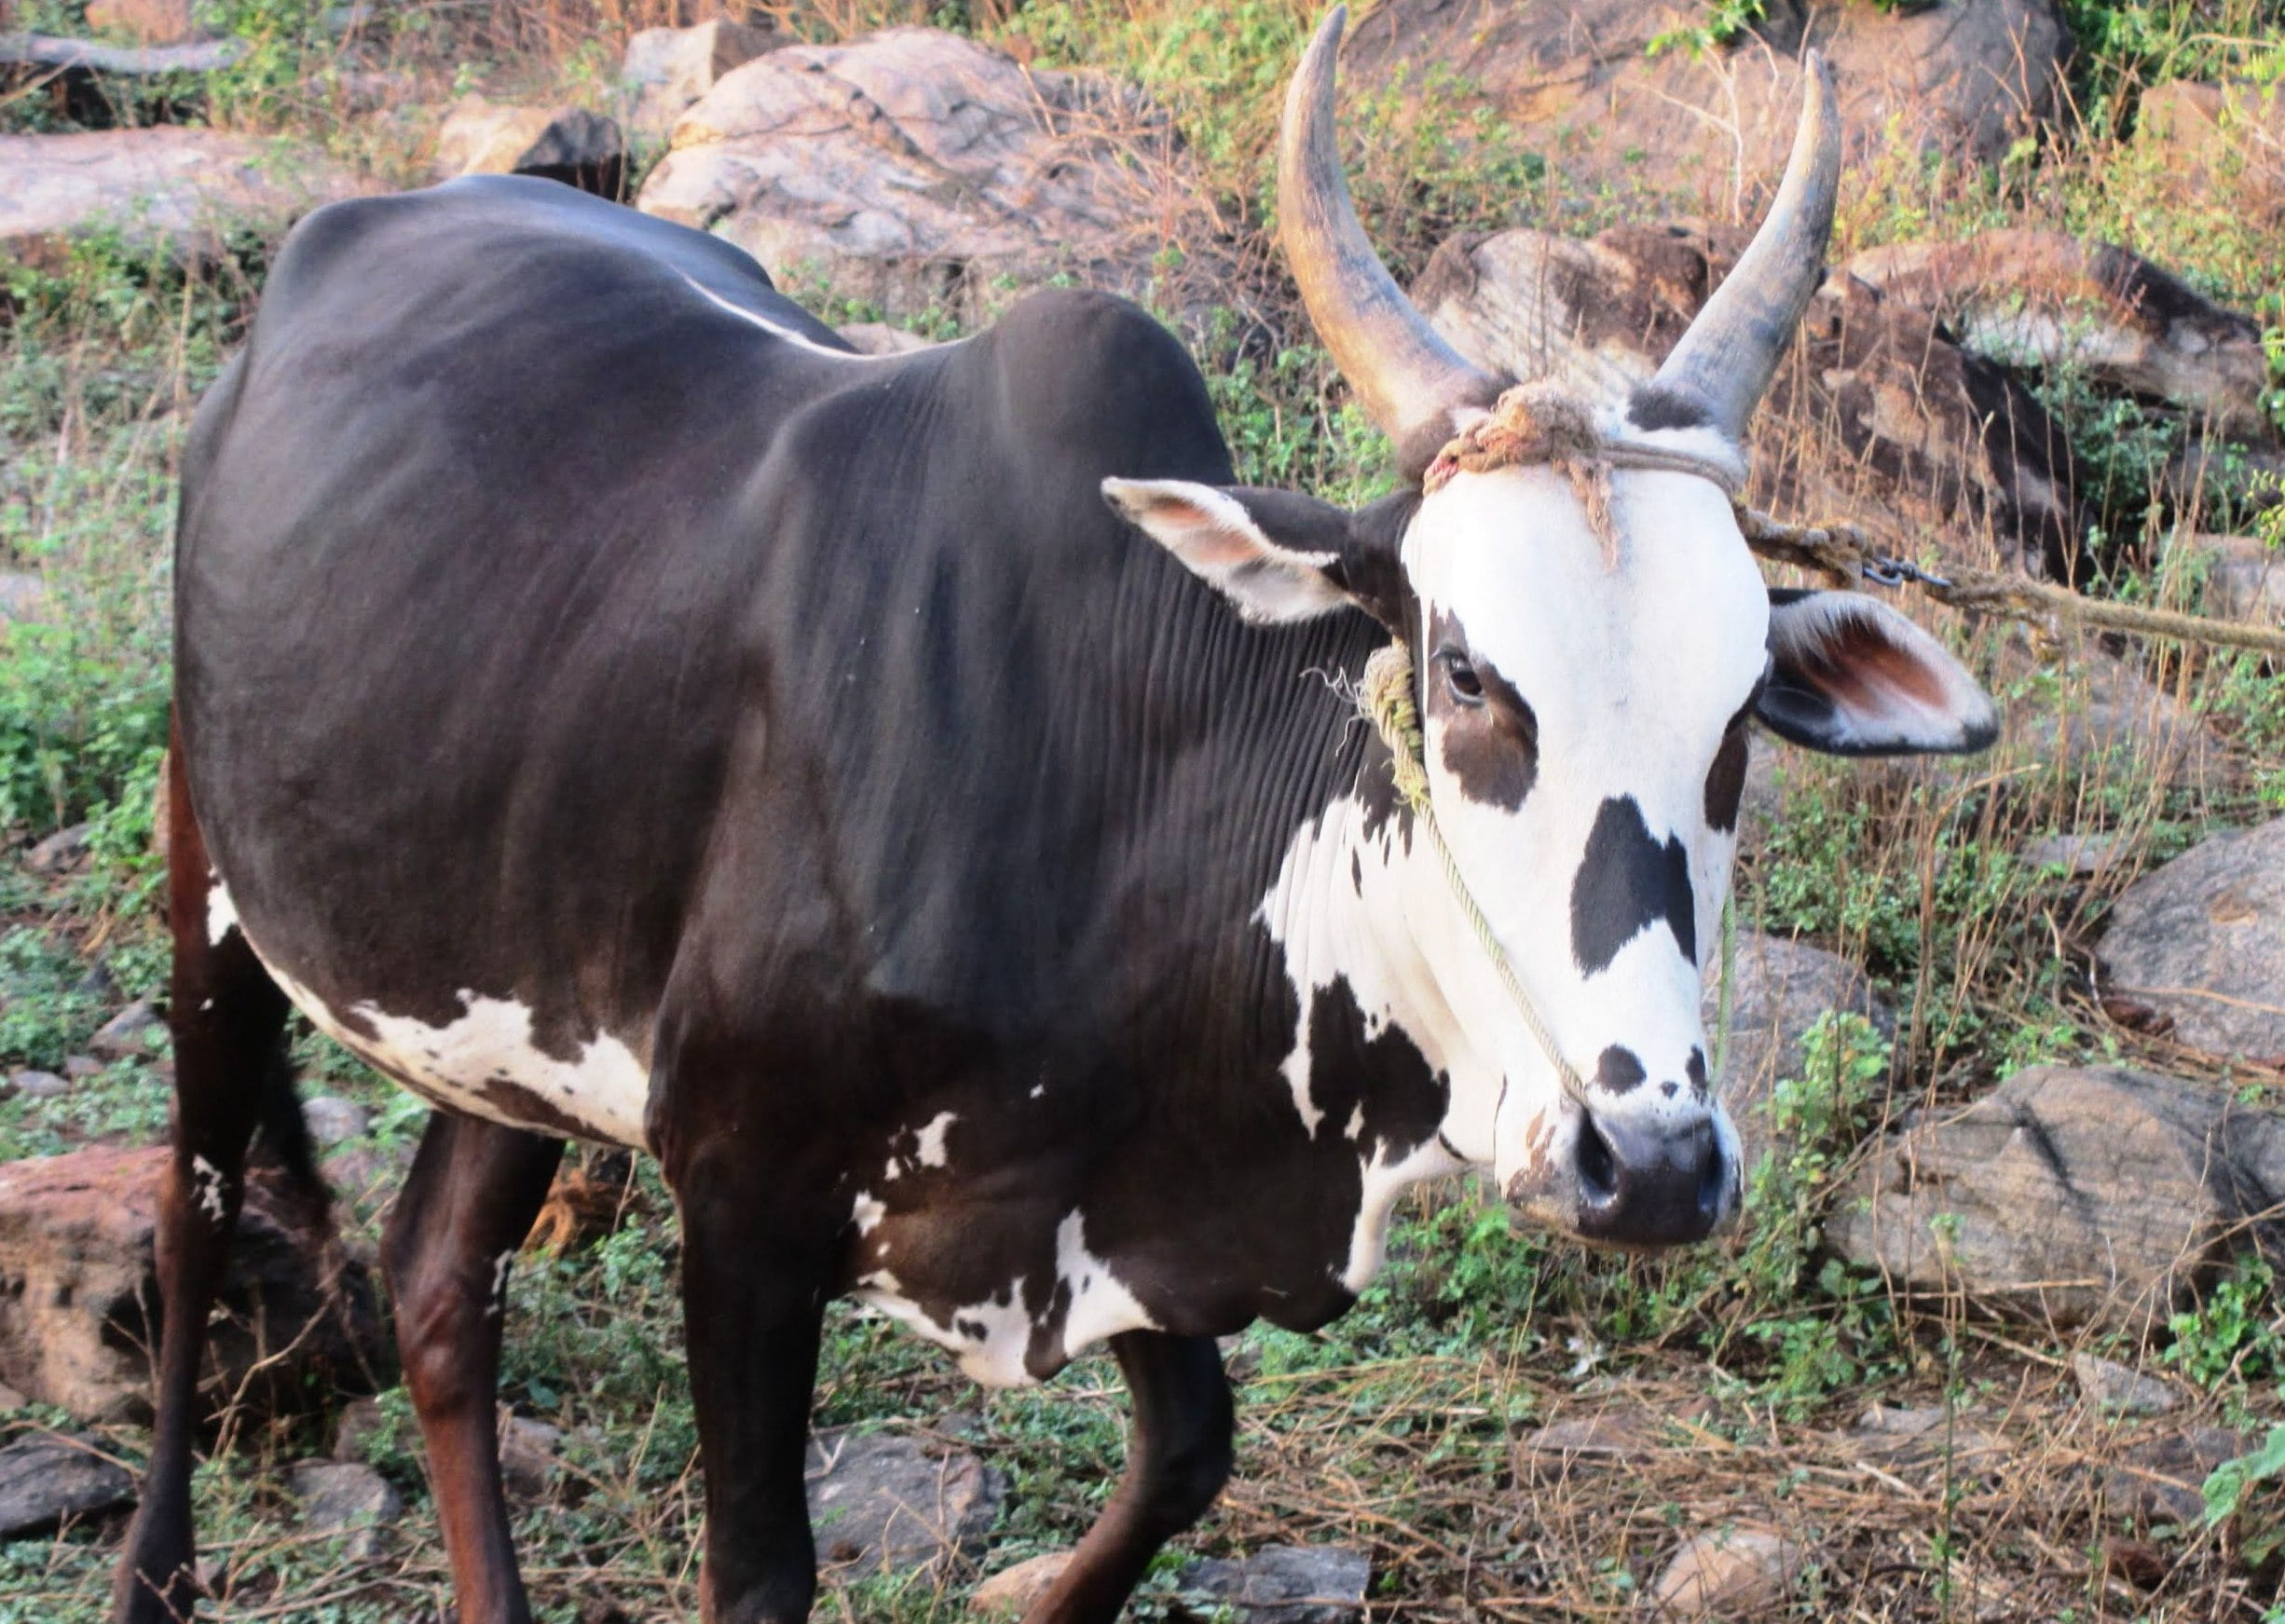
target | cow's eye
[{"x": 1461, "y": 678}]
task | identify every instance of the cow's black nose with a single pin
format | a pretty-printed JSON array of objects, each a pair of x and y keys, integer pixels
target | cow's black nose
[{"x": 1649, "y": 1185}]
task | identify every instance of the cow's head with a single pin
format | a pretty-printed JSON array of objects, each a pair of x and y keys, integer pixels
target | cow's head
[{"x": 1592, "y": 639}]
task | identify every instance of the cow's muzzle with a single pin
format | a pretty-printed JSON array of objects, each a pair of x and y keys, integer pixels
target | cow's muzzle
[{"x": 1637, "y": 1185}]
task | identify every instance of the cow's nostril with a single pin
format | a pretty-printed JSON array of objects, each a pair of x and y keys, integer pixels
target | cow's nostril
[
  {"x": 1598, "y": 1168},
  {"x": 1713, "y": 1178}
]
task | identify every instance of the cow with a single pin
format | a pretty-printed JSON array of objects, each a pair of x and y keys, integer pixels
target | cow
[{"x": 923, "y": 801}]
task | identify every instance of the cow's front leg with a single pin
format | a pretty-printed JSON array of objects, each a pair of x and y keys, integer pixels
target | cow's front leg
[
  {"x": 465, "y": 1209},
  {"x": 1177, "y": 1460},
  {"x": 754, "y": 1258}
]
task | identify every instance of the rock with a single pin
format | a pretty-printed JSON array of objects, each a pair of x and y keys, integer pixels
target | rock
[
  {"x": 1884, "y": 414},
  {"x": 667, "y": 70},
  {"x": 343, "y": 1497},
  {"x": 1285, "y": 1584},
  {"x": 913, "y": 167},
  {"x": 2047, "y": 300},
  {"x": 2218, "y": 140},
  {"x": 883, "y": 1502},
  {"x": 1011, "y": 1592},
  {"x": 11, "y": 1399},
  {"x": 2244, "y": 580},
  {"x": 1967, "y": 76},
  {"x": 167, "y": 190},
  {"x": 147, "y": 21},
  {"x": 80, "y": 1068},
  {"x": 2162, "y": 1478},
  {"x": 528, "y": 1454},
  {"x": 2112, "y": 723},
  {"x": 879, "y": 338},
  {"x": 78, "y": 1293},
  {"x": 1783, "y": 989},
  {"x": 25, "y": 600},
  {"x": 2115, "y": 1387},
  {"x": 1618, "y": 1429},
  {"x": 1896, "y": 1421},
  {"x": 45, "y": 1479},
  {"x": 570, "y": 145},
  {"x": 35, "y": 51},
  {"x": 60, "y": 850},
  {"x": 129, "y": 1035},
  {"x": 2202, "y": 941},
  {"x": 2076, "y": 1196},
  {"x": 333, "y": 1120},
  {"x": 2077, "y": 855},
  {"x": 38, "y": 1084},
  {"x": 1727, "y": 1573},
  {"x": 359, "y": 1426}
]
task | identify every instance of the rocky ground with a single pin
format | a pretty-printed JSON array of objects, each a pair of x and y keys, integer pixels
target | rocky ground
[{"x": 2001, "y": 1338}]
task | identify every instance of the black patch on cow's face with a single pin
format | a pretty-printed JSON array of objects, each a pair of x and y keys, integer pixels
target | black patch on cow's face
[
  {"x": 1490, "y": 738},
  {"x": 1628, "y": 883},
  {"x": 1618, "y": 1071},
  {"x": 1652, "y": 406}
]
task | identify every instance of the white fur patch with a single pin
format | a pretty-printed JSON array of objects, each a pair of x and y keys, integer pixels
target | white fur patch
[
  {"x": 221, "y": 912},
  {"x": 931, "y": 1151},
  {"x": 792, "y": 335},
  {"x": 206, "y": 1189}
]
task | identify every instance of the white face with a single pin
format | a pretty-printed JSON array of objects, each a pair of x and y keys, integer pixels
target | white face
[{"x": 1583, "y": 706}]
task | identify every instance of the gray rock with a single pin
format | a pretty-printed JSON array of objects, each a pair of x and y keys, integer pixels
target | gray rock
[
  {"x": 129, "y": 1035},
  {"x": 344, "y": 1497},
  {"x": 2122, "y": 1391},
  {"x": 2202, "y": 941},
  {"x": 885, "y": 1503},
  {"x": 120, "y": 62},
  {"x": 1286, "y": 1584},
  {"x": 914, "y": 166},
  {"x": 60, "y": 850},
  {"x": 294, "y": 1323},
  {"x": 2244, "y": 580},
  {"x": 333, "y": 1120},
  {"x": 357, "y": 1428},
  {"x": 38, "y": 1084},
  {"x": 668, "y": 70},
  {"x": 2114, "y": 725},
  {"x": 2094, "y": 1196},
  {"x": 46, "y": 1477},
  {"x": 528, "y": 1455},
  {"x": 1784, "y": 986},
  {"x": 2077, "y": 855},
  {"x": 569, "y": 144},
  {"x": 80, "y": 1068},
  {"x": 2162, "y": 1478},
  {"x": 168, "y": 189}
]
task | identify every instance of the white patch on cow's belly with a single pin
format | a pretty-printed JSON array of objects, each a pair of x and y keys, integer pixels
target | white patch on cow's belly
[
  {"x": 991, "y": 1338},
  {"x": 605, "y": 1089},
  {"x": 1383, "y": 1182},
  {"x": 221, "y": 912}
]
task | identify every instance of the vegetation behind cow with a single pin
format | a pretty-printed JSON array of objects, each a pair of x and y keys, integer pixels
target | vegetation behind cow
[{"x": 1406, "y": 1428}]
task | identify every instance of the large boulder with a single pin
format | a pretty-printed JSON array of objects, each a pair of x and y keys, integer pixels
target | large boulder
[
  {"x": 2098, "y": 1195},
  {"x": 667, "y": 70},
  {"x": 2225, "y": 142},
  {"x": 912, "y": 166},
  {"x": 2201, "y": 942},
  {"x": 2045, "y": 299},
  {"x": 1781, "y": 989},
  {"x": 570, "y": 145},
  {"x": 1965, "y": 76},
  {"x": 1881, "y": 414},
  {"x": 167, "y": 189},
  {"x": 47, "y": 1478},
  {"x": 79, "y": 1292}
]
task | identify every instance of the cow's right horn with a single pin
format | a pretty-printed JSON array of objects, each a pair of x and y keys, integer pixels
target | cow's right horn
[
  {"x": 1725, "y": 362},
  {"x": 1407, "y": 378}
]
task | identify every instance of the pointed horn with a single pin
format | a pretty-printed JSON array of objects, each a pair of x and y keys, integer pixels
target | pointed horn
[
  {"x": 1407, "y": 378},
  {"x": 1725, "y": 360}
]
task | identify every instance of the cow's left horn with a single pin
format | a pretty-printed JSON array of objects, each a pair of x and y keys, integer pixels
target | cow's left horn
[
  {"x": 1726, "y": 358},
  {"x": 1407, "y": 378}
]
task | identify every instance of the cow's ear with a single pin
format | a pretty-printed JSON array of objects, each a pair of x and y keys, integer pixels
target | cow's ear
[
  {"x": 1851, "y": 676},
  {"x": 1274, "y": 554}
]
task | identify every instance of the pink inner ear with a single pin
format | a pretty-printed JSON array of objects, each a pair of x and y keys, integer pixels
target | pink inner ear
[{"x": 1853, "y": 659}]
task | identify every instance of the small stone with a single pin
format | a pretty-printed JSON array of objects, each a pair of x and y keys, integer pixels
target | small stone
[
  {"x": 360, "y": 1424},
  {"x": 341, "y": 1497},
  {"x": 528, "y": 1455},
  {"x": 1011, "y": 1592},
  {"x": 2122, "y": 1391},
  {"x": 2163, "y": 1480},
  {"x": 58, "y": 851},
  {"x": 46, "y": 1477},
  {"x": 1896, "y": 1422},
  {"x": 1731, "y": 1573},
  {"x": 12, "y": 1400},
  {"x": 128, "y": 1035},
  {"x": 333, "y": 1120},
  {"x": 80, "y": 1068},
  {"x": 2076, "y": 855},
  {"x": 1286, "y": 1584},
  {"x": 38, "y": 1084},
  {"x": 889, "y": 1503}
]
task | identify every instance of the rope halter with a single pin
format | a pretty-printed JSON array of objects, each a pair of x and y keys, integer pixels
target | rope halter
[{"x": 1532, "y": 423}]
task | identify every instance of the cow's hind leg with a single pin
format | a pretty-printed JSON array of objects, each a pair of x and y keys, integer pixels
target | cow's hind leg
[
  {"x": 1177, "y": 1460},
  {"x": 466, "y": 1206},
  {"x": 231, "y": 1074}
]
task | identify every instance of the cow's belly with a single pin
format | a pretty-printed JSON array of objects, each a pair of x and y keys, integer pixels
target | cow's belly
[{"x": 484, "y": 1063}]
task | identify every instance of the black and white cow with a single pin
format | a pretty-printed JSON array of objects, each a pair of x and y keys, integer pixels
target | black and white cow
[{"x": 616, "y": 710}]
